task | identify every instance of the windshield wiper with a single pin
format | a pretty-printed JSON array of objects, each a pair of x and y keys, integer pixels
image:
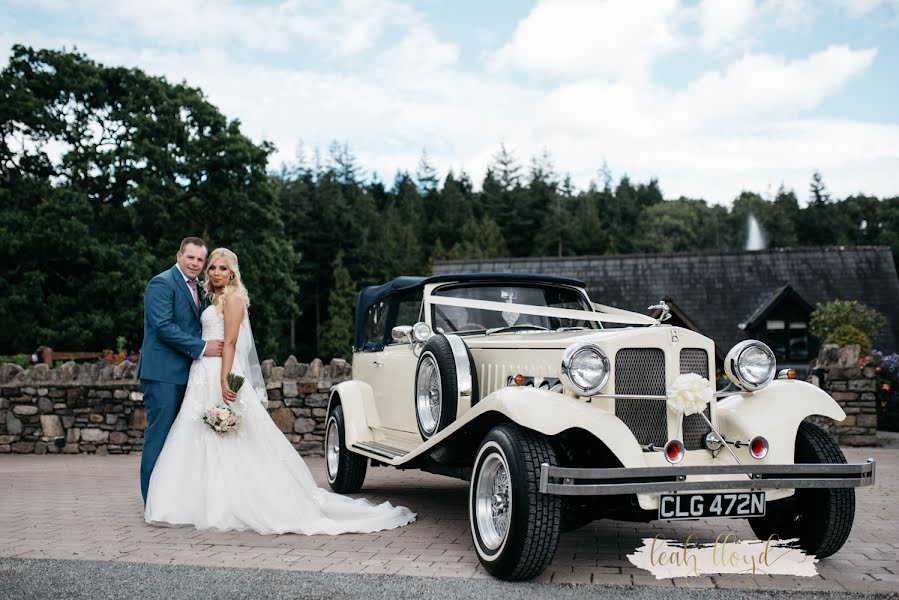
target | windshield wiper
[
  {"x": 516, "y": 328},
  {"x": 573, "y": 328}
]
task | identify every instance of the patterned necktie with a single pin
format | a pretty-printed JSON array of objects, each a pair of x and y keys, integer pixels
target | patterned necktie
[{"x": 192, "y": 283}]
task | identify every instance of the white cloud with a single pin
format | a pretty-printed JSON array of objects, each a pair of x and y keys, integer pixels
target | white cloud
[
  {"x": 584, "y": 38},
  {"x": 758, "y": 85},
  {"x": 724, "y": 23},
  {"x": 345, "y": 28},
  {"x": 393, "y": 86},
  {"x": 860, "y": 8}
]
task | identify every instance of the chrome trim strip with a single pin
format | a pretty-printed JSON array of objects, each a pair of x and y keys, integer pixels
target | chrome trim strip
[
  {"x": 763, "y": 477},
  {"x": 463, "y": 370}
]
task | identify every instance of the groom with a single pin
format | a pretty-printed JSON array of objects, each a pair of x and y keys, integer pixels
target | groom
[{"x": 172, "y": 341}]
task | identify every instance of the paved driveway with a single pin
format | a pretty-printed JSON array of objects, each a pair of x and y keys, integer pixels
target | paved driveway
[{"x": 89, "y": 508}]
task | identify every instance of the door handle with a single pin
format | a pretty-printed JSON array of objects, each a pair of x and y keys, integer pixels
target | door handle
[{"x": 378, "y": 363}]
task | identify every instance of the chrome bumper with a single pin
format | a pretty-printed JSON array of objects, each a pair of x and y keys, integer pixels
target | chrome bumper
[{"x": 648, "y": 480}]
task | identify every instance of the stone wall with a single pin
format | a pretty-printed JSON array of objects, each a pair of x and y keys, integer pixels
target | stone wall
[
  {"x": 98, "y": 407},
  {"x": 836, "y": 371}
]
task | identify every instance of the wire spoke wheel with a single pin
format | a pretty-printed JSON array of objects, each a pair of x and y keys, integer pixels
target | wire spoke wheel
[
  {"x": 493, "y": 501},
  {"x": 332, "y": 449},
  {"x": 428, "y": 394}
]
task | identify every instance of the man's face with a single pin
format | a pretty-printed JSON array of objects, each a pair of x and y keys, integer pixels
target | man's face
[{"x": 191, "y": 260}]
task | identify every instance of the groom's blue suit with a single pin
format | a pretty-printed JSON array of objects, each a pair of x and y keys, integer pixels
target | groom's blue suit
[{"x": 172, "y": 341}]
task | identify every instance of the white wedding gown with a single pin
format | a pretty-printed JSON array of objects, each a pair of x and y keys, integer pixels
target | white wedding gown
[{"x": 251, "y": 479}]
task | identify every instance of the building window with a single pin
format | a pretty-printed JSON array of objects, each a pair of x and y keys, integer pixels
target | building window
[{"x": 787, "y": 339}]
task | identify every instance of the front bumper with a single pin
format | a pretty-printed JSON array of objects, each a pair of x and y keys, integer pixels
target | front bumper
[{"x": 564, "y": 481}]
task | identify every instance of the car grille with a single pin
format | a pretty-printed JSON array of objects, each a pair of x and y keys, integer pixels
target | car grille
[
  {"x": 642, "y": 371},
  {"x": 695, "y": 360}
]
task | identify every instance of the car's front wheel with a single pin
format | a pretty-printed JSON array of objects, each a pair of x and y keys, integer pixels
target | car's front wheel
[
  {"x": 515, "y": 527},
  {"x": 346, "y": 470},
  {"x": 822, "y": 518}
]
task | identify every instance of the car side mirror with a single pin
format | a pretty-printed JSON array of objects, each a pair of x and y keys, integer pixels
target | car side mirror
[{"x": 402, "y": 334}]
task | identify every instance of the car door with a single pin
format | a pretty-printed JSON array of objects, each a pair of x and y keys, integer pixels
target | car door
[{"x": 393, "y": 370}]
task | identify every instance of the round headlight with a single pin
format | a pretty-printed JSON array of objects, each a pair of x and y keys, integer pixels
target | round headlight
[
  {"x": 751, "y": 365},
  {"x": 421, "y": 332},
  {"x": 585, "y": 368}
]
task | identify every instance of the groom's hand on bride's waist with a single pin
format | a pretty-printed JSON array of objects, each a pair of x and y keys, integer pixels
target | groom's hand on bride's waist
[{"x": 213, "y": 348}]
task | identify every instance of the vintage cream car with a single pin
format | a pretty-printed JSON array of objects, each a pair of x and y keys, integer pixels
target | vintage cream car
[{"x": 560, "y": 411}]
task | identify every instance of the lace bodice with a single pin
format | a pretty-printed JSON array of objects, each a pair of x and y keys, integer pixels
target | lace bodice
[{"x": 213, "y": 323}]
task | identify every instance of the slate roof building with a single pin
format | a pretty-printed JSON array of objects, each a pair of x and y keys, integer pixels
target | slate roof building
[{"x": 766, "y": 294}]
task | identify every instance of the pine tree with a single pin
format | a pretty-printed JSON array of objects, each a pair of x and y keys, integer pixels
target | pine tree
[{"x": 337, "y": 333}]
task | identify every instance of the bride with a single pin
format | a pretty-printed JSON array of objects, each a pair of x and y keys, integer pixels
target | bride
[{"x": 251, "y": 478}]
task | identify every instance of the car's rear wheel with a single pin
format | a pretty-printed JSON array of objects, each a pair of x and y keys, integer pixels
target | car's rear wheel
[
  {"x": 438, "y": 384},
  {"x": 821, "y": 519},
  {"x": 515, "y": 527},
  {"x": 345, "y": 469}
]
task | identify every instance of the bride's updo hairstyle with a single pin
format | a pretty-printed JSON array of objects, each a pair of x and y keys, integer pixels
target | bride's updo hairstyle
[{"x": 235, "y": 287}]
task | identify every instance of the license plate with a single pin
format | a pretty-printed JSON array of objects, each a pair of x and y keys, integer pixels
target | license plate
[{"x": 704, "y": 506}]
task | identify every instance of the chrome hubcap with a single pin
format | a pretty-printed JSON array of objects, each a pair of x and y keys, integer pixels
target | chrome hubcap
[
  {"x": 493, "y": 503},
  {"x": 427, "y": 395},
  {"x": 332, "y": 449}
]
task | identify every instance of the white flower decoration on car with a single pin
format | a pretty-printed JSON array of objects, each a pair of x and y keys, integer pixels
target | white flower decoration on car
[{"x": 689, "y": 394}]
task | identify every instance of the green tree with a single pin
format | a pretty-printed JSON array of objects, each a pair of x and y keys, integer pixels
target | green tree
[
  {"x": 829, "y": 316},
  {"x": 337, "y": 334},
  {"x": 136, "y": 164},
  {"x": 481, "y": 239},
  {"x": 681, "y": 225}
]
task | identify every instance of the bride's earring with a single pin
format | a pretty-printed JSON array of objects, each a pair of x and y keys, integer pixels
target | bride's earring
[{"x": 232, "y": 278}]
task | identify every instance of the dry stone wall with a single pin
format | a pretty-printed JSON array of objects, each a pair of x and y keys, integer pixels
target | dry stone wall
[
  {"x": 836, "y": 371},
  {"x": 98, "y": 407}
]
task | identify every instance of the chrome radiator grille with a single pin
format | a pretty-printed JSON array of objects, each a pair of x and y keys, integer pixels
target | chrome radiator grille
[
  {"x": 642, "y": 371},
  {"x": 695, "y": 360}
]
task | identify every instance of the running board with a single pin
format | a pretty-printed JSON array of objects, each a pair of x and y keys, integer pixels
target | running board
[{"x": 383, "y": 450}]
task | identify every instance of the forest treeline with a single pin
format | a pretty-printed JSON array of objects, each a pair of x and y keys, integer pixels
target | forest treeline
[{"x": 103, "y": 170}]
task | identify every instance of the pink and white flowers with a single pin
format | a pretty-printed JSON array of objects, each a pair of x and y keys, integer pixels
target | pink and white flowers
[{"x": 223, "y": 419}]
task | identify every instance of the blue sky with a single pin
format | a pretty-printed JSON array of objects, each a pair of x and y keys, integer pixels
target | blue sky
[{"x": 711, "y": 97}]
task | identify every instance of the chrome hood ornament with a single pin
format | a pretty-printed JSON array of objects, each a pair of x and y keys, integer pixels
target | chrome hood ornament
[{"x": 665, "y": 311}]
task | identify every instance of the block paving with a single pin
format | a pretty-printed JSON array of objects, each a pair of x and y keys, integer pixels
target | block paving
[{"x": 85, "y": 507}]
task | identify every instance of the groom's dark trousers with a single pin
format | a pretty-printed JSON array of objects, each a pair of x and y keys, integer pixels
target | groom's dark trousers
[
  {"x": 172, "y": 341},
  {"x": 162, "y": 401}
]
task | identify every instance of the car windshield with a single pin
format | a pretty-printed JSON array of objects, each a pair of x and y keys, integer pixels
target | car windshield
[{"x": 460, "y": 319}]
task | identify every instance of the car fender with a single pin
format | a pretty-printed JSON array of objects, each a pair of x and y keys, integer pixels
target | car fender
[
  {"x": 551, "y": 413},
  {"x": 359, "y": 410},
  {"x": 775, "y": 413}
]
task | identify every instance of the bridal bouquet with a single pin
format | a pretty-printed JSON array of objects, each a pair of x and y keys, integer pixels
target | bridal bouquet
[
  {"x": 235, "y": 381},
  {"x": 223, "y": 419}
]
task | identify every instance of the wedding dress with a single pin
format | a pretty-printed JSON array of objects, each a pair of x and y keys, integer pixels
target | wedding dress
[{"x": 249, "y": 479}]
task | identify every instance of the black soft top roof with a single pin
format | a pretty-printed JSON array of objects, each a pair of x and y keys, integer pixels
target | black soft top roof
[{"x": 375, "y": 293}]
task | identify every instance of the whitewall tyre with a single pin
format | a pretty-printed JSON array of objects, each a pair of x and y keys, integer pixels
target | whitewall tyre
[
  {"x": 439, "y": 386},
  {"x": 345, "y": 469},
  {"x": 515, "y": 528}
]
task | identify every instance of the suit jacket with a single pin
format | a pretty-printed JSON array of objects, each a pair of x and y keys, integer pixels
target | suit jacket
[{"x": 172, "y": 329}]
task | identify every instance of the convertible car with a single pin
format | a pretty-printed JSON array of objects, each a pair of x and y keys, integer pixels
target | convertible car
[{"x": 559, "y": 411}]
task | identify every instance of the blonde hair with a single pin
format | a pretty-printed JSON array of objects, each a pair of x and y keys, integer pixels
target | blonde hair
[{"x": 234, "y": 287}]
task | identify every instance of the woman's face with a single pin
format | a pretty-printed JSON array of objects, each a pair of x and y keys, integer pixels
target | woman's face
[{"x": 219, "y": 273}]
